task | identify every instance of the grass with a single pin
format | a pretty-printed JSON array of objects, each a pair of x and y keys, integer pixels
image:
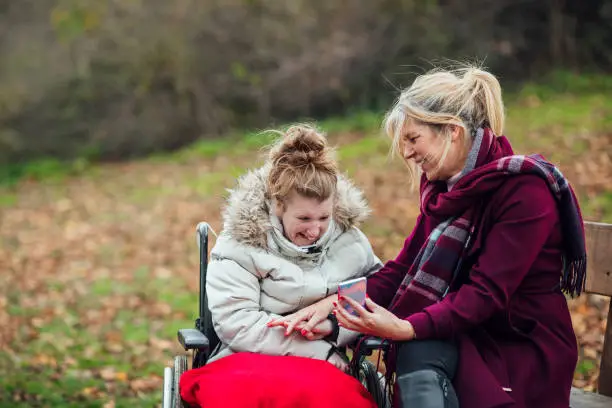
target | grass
[
  {"x": 238, "y": 143},
  {"x": 66, "y": 357},
  {"x": 354, "y": 122},
  {"x": 600, "y": 206},
  {"x": 214, "y": 182},
  {"x": 62, "y": 365},
  {"x": 8, "y": 200},
  {"x": 585, "y": 367},
  {"x": 561, "y": 100},
  {"x": 48, "y": 170},
  {"x": 367, "y": 147}
]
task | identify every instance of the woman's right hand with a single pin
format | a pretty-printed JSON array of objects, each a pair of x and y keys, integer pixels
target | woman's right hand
[
  {"x": 320, "y": 331},
  {"x": 308, "y": 317}
]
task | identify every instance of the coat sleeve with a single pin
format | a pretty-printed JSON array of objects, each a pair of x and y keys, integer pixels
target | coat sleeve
[
  {"x": 234, "y": 302},
  {"x": 525, "y": 221},
  {"x": 370, "y": 268}
]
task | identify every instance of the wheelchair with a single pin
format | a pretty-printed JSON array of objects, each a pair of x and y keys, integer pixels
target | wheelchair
[{"x": 202, "y": 340}]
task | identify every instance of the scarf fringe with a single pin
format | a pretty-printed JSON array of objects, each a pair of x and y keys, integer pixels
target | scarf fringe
[{"x": 573, "y": 280}]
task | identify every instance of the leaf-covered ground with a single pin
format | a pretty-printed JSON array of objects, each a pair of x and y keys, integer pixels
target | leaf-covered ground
[{"x": 98, "y": 271}]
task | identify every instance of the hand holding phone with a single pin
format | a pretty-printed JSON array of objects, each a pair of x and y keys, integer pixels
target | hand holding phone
[{"x": 356, "y": 290}]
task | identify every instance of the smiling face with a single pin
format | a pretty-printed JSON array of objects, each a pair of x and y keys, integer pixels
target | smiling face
[
  {"x": 304, "y": 219},
  {"x": 424, "y": 146}
]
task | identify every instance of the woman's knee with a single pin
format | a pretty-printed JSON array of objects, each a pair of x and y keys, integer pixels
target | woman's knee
[{"x": 436, "y": 355}]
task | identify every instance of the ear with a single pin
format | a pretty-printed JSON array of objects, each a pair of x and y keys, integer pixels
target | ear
[
  {"x": 279, "y": 208},
  {"x": 456, "y": 133}
]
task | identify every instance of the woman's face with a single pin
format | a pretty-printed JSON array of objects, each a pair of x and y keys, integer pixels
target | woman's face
[
  {"x": 423, "y": 145},
  {"x": 304, "y": 219}
]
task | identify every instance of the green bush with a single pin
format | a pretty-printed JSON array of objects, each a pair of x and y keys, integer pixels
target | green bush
[{"x": 111, "y": 80}]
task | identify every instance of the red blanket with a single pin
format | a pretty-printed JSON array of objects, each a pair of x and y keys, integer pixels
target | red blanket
[{"x": 256, "y": 380}]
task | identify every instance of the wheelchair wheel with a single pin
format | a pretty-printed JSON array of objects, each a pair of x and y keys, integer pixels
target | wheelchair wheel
[
  {"x": 180, "y": 366},
  {"x": 371, "y": 379},
  {"x": 167, "y": 389}
]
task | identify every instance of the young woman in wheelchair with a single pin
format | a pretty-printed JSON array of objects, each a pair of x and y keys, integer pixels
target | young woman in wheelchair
[{"x": 290, "y": 235}]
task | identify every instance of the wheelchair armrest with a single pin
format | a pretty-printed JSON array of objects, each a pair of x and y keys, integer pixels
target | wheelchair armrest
[
  {"x": 192, "y": 339},
  {"x": 366, "y": 346}
]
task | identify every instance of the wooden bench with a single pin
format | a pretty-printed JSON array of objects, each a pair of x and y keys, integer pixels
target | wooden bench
[{"x": 599, "y": 281}]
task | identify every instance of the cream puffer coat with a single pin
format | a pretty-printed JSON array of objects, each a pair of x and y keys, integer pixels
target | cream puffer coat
[{"x": 256, "y": 275}]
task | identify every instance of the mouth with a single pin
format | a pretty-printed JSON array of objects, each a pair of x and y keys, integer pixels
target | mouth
[
  {"x": 307, "y": 239},
  {"x": 421, "y": 163}
]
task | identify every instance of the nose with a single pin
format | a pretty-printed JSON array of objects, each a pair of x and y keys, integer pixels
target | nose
[
  {"x": 408, "y": 151},
  {"x": 313, "y": 231}
]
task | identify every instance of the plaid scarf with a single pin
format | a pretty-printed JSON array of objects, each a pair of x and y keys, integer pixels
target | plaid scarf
[{"x": 439, "y": 259}]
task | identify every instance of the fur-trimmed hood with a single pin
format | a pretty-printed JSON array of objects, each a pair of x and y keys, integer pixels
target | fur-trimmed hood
[{"x": 246, "y": 216}]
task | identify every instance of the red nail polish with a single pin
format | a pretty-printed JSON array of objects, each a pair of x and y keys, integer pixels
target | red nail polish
[
  {"x": 335, "y": 304},
  {"x": 341, "y": 297}
]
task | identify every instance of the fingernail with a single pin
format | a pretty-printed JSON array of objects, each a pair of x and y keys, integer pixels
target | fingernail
[
  {"x": 303, "y": 332},
  {"x": 335, "y": 304},
  {"x": 334, "y": 312},
  {"x": 341, "y": 297}
]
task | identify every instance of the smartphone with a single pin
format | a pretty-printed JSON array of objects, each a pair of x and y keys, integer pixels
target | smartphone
[{"x": 356, "y": 290}]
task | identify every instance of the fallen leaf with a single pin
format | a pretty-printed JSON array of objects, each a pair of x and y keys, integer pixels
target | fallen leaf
[
  {"x": 107, "y": 373},
  {"x": 145, "y": 384},
  {"x": 43, "y": 360},
  {"x": 121, "y": 377},
  {"x": 161, "y": 343},
  {"x": 89, "y": 391}
]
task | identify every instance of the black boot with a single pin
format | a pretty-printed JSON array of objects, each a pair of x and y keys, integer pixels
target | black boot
[
  {"x": 425, "y": 370},
  {"x": 426, "y": 389}
]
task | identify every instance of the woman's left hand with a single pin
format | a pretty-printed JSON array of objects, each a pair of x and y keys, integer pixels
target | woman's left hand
[
  {"x": 377, "y": 321},
  {"x": 318, "y": 332}
]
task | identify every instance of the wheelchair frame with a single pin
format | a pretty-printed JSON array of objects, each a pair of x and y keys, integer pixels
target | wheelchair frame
[{"x": 203, "y": 340}]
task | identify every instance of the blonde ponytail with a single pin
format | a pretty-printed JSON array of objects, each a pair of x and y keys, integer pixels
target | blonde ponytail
[{"x": 487, "y": 95}]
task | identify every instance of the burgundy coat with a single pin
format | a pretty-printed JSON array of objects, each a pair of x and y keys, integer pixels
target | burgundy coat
[{"x": 509, "y": 317}]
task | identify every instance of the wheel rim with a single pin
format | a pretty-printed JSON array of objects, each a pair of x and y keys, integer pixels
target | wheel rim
[{"x": 180, "y": 366}]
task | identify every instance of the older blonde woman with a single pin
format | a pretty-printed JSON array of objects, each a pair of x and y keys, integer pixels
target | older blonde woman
[{"x": 476, "y": 293}]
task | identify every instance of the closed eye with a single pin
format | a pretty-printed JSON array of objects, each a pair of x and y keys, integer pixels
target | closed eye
[
  {"x": 411, "y": 137},
  {"x": 306, "y": 219}
]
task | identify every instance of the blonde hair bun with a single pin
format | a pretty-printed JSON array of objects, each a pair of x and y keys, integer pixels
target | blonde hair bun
[
  {"x": 300, "y": 145},
  {"x": 302, "y": 160}
]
